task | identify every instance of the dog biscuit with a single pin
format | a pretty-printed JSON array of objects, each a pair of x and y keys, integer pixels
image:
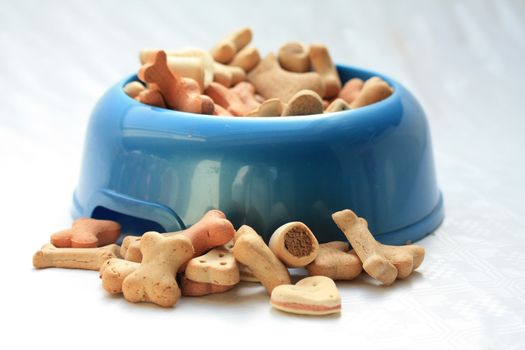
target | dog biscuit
[
  {"x": 335, "y": 261},
  {"x": 294, "y": 244},
  {"x": 74, "y": 258},
  {"x": 294, "y": 57},
  {"x": 87, "y": 233}
]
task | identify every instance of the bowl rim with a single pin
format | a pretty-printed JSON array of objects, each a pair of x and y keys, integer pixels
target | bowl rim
[{"x": 357, "y": 72}]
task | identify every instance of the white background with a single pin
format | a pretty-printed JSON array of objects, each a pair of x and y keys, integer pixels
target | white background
[{"x": 464, "y": 60}]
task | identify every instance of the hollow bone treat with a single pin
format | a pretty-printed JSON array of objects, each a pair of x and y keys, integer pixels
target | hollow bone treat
[
  {"x": 317, "y": 295},
  {"x": 305, "y": 102},
  {"x": 134, "y": 88},
  {"x": 228, "y": 75},
  {"x": 225, "y": 50},
  {"x": 151, "y": 97},
  {"x": 383, "y": 262},
  {"x": 250, "y": 250},
  {"x": 322, "y": 64},
  {"x": 113, "y": 272},
  {"x": 351, "y": 89},
  {"x": 270, "y": 80},
  {"x": 293, "y": 56},
  {"x": 212, "y": 230},
  {"x": 246, "y": 59},
  {"x": 294, "y": 244},
  {"x": 272, "y": 107},
  {"x": 181, "y": 94},
  {"x": 218, "y": 266},
  {"x": 335, "y": 261},
  {"x": 337, "y": 105},
  {"x": 154, "y": 280},
  {"x": 246, "y": 92},
  {"x": 196, "y": 289},
  {"x": 74, "y": 258},
  {"x": 227, "y": 99},
  {"x": 87, "y": 233},
  {"x": 374, "y": 90}
]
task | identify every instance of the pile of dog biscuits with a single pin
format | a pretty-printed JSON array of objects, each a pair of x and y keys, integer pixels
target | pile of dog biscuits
[
  {"x": 232, "y": 80},
  {"x": 212, "y": 257}
]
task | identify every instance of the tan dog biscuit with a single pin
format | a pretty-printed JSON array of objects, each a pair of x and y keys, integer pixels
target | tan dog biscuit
[
  {"x": 74, "y": 258},
  {"x": 272, "y": 107},
  {"x": 322, "y": 64},
  {"x": 294, "y": 244},
  {"x": 181, "y": 94},
  {"x": 335, "y": 261},
  {"x": 316, "y": 295},
  {"x": 271, "y": 81},
  {"x": 218, "y": 267},
  {"x": 225, "y": 50},
  {"x": 246, "y": 59},
  {"x": 337, "y": 105},
  {"x": 87, "y": 233},
  {"x": 133, "y": 89},
  {"x": 228, "y": 75},
  {"x": 250, "y": 250},
  {"x": 212, "y": 230},
  {"x": 383, "y": 262},
  {"x": 196, "y": 289},
  {"x": 351, "y": 89},
  {"x": 374, "y": 90},
  {"x": 305, "y": 102},
  {"x": 221, "y": 111},
  {"x": 154, "y": 280},
  {"x": 114, "y": 271},
  {"x": 245, "y": 274},
  {"x": 151, "y": 97},
  {"x": 294, "y": 57}
]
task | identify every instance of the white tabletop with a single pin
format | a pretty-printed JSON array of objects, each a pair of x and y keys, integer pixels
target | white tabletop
[{"x": 462, "y": 59}]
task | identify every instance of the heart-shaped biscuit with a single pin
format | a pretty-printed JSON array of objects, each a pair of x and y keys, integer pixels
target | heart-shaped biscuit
[{"x": 317, "y": 295}]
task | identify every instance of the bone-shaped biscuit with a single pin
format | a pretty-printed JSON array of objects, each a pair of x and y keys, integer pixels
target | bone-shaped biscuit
[
  {"x": 305, "y": 102},
  {"x": 322, "y": 64},
  {"x": 250, "y": 250},
  {"x": 182, "y": 94},
  {"x": 317, "y": 295},
  {"x": 227, "y": 99},
  {"x": 351, "y": 89},
  {"x": 294, "y": 244},
  {"x": 218, "y": 267},
  {"x": 245, "y": 274},
  {"x": 335, "y": 261},
  {"x": 133, "y": 88},
  {"x": 227, "y": 75},
  {"x": 383, "y": 262},
  {"x": 271, "y": 81},
  {"x": 374, "y": 90},
  {"x": 225, "y": 50},
  {"x": 87, "y": 233},
  {"x": 74, "y": 258},
  {"x": 246, "y": 59},
  {"x": 113, "y": 272},
  {"x": 246, "y": 92},
  {"x": 294, "y": 57},
  {"x": 154, "y": 280},
  {"x": 212, "y": 230},
  {"x": 151, "y": 97}
]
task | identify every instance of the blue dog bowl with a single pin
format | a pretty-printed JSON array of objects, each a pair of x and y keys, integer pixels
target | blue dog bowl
[{"x": 157, "y": 169}]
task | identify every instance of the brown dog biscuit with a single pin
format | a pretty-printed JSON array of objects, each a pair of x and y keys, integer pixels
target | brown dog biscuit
[
  {"x": 218, "y": 267},
  {"x": 305, "y": 102},
  {"x": 322, "y": 64},
  {"x": 114, "y": 271},
  {"x": 293, "y": 56},
  {"x": 87, "y": 233},
  {"x": 196, "y": 289},
  {"x": 335, "y": 261},
  {"x": 250, "y": 250}
]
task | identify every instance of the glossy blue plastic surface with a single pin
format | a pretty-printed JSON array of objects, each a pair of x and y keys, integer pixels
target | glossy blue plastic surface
[{"x": 170, "y": 167}]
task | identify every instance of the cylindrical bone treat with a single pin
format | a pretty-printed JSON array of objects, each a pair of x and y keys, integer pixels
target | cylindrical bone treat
[
  {"x": 293, "y": 56},
  {"x": 246, "y": 59},
  {"x": 294, "y": 244},
  {"x": 151, "y": 97},
  {"x": 133, "y": 89},
  {"x": 225, "y": 50},
  {"x": 322, "y": 64}
]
